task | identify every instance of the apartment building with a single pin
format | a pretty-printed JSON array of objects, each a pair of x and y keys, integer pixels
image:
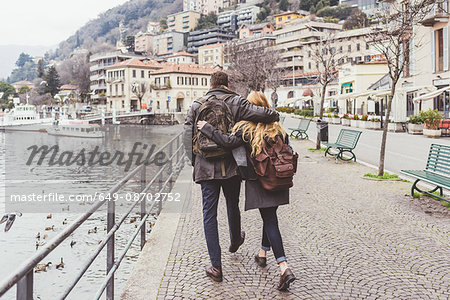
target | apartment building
[
  {"x": 205, "y": 6},
  {"x": 285, "y": 18},
  {"x": 369, "y": 7},
  {"x": 99, "y": 62},
  {"x": 143, "y": 42},
  {"x": 128, "y": 84},
  {"x": 211, "y": 55},
  {"x": 431, "y": 61},
  {"x": 209, "y": 36},
  {"x": 182, "y": 58},
  {"x": 176, "y": 86},
  {"x": 168, "y": 43},
  {"x": 233, "y": 19},
  {"x": 293, "y": 42},
  {"x": 153, "y": 27},
  {"x": 184, "y": 21},
  {"x": 255, "y": 30},
  {"x": 237, "y": 46}
]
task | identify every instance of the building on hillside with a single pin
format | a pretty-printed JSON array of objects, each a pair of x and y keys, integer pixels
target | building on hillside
[
  {"x": 19, "y": 84},
  {"x": 235, "y": 47},
  {"x": 292, "y": 42},
  {"x": 143, "y": 42},
  {"x": 182, "y": 58},
  {"x": 369, "y": 7},
  {"x": 168, "y": 43},
  {"x": 233, "y": 19},
  {"x": 209, "y": 36},
  {"x": 286, "y": 17},
  {"x": 255, "y": 30},
  {"x": 153, "y": 27},
  {"x": 99, "y": 62},
  {"x": 176, "y": 86},
  {"x": 205, "y": 6},
  {"x": 184, "y": 21},
  {"x": 211, "y": 55},
  {"x": 126, "y": 82}
]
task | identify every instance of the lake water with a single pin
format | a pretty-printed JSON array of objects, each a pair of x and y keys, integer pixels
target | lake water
[{"x": 20, "y": 242}]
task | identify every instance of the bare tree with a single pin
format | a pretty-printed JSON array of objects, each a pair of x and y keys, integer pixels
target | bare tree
[
  {"x": 252, "y": 66},
  {"x": 139, "y": 90},
  {"x": 75, "y": 70},
  {"x": 325, "y": 58},
  {"x": 391, "y": 37}
]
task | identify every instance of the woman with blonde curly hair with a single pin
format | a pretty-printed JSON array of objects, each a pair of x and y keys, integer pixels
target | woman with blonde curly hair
[{"x": 253, "y": 136}]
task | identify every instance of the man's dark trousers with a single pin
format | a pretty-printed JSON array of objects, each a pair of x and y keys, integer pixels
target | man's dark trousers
[{"x": 210, "y": 193}]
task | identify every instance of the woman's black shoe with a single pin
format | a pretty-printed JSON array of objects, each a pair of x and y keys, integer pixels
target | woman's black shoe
[
  {"x": 285, "y": 280},
  {"x": 260, "y": 261}
]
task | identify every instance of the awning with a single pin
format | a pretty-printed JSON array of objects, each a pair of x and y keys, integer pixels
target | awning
[{"x": 431, "y": 95}]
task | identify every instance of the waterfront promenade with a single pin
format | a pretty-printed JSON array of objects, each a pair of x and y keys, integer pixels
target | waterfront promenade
[{"x": 345, "y": 237}]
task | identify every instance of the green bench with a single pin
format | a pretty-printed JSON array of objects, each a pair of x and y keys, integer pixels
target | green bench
[
  {"x": 437, "y": 171},
  {"x": 345, "y": 143},
  {"x": 300, "y": 131}
]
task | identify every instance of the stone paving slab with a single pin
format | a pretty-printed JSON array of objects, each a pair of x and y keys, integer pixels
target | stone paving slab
[{"x": 345, "y": 238}]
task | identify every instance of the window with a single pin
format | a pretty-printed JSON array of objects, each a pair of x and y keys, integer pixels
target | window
[
  {"x": 340, "y": 49},
  {"x": 358, "y": 47},
  {"x": 123, "y": 88},
  {"x": 149, "y": 72},
  {"x": 367, "y": 46},
  {"x": 117, "y": 89},
  {"x": 280, "y": 19},
  {"x": 440, "y": 50},
  {"x": 134, "y": 73},
  {"x": 349, "y": 48},
  {"x": 166, "y": 80},
  {"x": 309, "y": 65},
  {"x": 142, "y": 74},
  {"x": 157, "y": 105},
  {"x": 158, "y": 81},
  {"x": 290, "y": 94},
  {"x": 123, "y": 103},
  {"x": 167, "y": 104}
]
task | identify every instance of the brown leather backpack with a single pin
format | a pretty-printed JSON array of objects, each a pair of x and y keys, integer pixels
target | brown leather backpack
[
  {"x": 276, "y": 165},
  {"x": 216, "y": 112}
]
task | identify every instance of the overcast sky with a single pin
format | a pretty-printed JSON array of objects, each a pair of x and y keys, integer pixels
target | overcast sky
[{"x": 47, "y": 22}]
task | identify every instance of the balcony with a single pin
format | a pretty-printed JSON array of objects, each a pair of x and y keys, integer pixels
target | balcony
[{"x": 439, "y": 14}]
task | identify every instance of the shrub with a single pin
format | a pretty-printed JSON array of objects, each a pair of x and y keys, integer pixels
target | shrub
[
  {"x": 356, "y": 117},
  {"x": 415, "y": 119},
  {"x": 329, "y": 116},
  {"x": 365, "y": 118},
  {"x": 304, "y": 112},
  {"x": 335, "y": 116},
  {"x": 346, "y": 116},
  {"x": 288, "y": 110},
  {"x": 431, "y": 118}
]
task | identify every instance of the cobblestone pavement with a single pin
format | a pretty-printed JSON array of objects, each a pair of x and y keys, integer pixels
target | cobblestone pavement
[{"x": 345, "y": 238}]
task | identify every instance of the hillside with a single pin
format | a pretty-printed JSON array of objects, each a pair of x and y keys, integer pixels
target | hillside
[{"x": 134, "y": 14}]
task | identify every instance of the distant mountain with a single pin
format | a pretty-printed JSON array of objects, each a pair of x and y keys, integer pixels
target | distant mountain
[
  {"x": 134, "y": 14},
  {"x": 10, "y": 53}
]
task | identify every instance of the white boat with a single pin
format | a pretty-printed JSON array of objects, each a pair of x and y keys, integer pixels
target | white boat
[
  {"x": 24, "y": 117},
  {"x": 77, "y": 129}
]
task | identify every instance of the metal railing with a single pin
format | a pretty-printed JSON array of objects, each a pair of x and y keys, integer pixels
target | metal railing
[{"x": 22, "y": 277}]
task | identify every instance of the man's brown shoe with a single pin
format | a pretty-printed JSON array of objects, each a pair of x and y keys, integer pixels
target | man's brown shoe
[
  {"x": 285, "y": 280},
  {"x": 215, "y": 273},
  {"x": 234, "y": 248},
  {"x": 260, "y": 261}
]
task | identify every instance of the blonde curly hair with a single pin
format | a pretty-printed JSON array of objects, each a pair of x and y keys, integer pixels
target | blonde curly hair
[{"x": 255, "y": 133}]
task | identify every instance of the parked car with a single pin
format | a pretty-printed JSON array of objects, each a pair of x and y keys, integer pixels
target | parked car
[{"x": 86, "y": 108}]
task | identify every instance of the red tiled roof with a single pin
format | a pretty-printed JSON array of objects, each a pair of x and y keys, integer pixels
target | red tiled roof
[
  {"x": 185, "y": 68},
  {"x": 136, "y": 62},
  {"x": 182, "y": 53}
]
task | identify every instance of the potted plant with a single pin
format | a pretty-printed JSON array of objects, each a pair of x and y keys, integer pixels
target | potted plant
[
  {"x": 375, "y": 124},
  {"x": 431, "y": 119},
  {"x": 355, "y": 121},
  {"x": 336, "y": 119},
  {"x": 345, "y": 120},
  {"x": 327, "y": 118},
  {"x": 415, "y": 124},
  {"x": 363, "y": 122},
  {"x": 395, "y": 127}
]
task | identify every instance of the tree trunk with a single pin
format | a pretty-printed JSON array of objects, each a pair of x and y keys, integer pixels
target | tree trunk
[
  {"x": 385, "y": 130},
  {"x": 322, "y": 101}
]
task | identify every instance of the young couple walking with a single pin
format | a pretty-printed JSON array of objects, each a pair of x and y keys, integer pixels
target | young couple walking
[{"x": 222, "y": 157}]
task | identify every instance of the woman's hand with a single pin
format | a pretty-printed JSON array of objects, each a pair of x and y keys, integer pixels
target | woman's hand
[{"x": 200, "y": 124}]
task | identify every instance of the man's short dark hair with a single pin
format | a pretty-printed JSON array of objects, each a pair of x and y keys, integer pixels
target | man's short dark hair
[{"x": 218, "y": 79}]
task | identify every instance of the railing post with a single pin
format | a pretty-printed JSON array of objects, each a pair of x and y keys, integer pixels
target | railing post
[
  {"x": 178, "y": 152},
  {"x": 170, "y": 169},
  {"x": 25, "y": 287},
  {"x": 143, "y": 204},
  {"x": 111, "y": 220},
  {"x": 160, "y": 183}
]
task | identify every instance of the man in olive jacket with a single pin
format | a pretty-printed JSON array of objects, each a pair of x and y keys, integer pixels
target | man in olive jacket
[{"x": 214, "y": 174}]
